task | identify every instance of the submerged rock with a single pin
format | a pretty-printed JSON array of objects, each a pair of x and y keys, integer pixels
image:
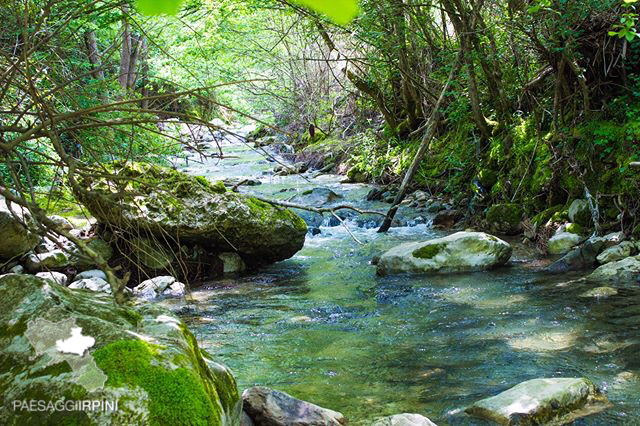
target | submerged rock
[
  {"x": 268, "y": 407},
  {"x": 404, "y": 420},
  {"x": 172, "y": 205},
  {"x": 599, "y": 292},
  {"x": 622, "y": 271},
  {"x": 144, "y": 358},
  {"x": 542, "y": 401},
  {"x": 17, "y": 239},
  {"x": 459, "y": 252}
]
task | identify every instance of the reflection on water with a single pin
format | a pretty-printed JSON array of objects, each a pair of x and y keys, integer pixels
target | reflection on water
[{"x": 324, "y": 328}]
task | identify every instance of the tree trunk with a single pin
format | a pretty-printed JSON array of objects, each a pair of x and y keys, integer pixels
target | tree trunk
[
  {"x": 92, "y": 53},
  {"x": 125, "y": 53}
]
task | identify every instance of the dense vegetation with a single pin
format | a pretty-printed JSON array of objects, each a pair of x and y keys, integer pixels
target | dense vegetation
[{"x": 541, "y": 105}]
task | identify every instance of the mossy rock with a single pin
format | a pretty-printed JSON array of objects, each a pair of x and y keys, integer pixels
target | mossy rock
[
  {"x": 171, "y": 205},
  {"x": 546, "y": 215},
  {"x": 147, "y": 359},
  {"x": 505, "y": 218}
]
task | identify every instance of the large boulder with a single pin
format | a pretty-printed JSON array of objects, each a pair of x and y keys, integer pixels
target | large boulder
[
  {"x": 268, "y": 407},
  {"x": 622, "y": 271},
  {"x": 404, "y": 420},
  {"x": 17, "y": 239},
  {"x": 542, "y": 401},
  {"x": 459, "y": 252},
  {"x": 68, "y": 346},
  {"x": 169, "y": 204}
]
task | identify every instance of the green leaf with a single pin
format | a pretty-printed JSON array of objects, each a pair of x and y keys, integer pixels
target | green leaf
[
  {"x": 339, "y": 11},
  {"x": 630, "y": 36},
  {"x": 158, "y": 7}
]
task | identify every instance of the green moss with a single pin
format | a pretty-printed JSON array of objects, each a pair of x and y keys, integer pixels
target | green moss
[
  {"x": 545, "y": 216},
  {"x": 575, "y": 228},
  {"x": 510, "y": 213},
  {"x": 487, "y": 178},
  {"x": 175, "y": 396},
  {"x": 429, "y": 251}
]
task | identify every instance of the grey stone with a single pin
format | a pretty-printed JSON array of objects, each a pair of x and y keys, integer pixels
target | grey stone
[
  {"x": 176, "y": 289},
  {"x": 93, "y": 284},
  {"x": 622, "y": 271},
  {"x": 232, "y": 263},
  {"x": 61, "y": 222},
  {"x": 268, "y": 407},
  {"x": 563, "y": 242},
  {"x": 92, "y": 273},
  {"x": 459, "y": 252},
  {"x": 618, "y": 252},
  {"x": 151, "y": 288},
  {"x": 56, "y": 277},
  {"x": 542, "y": 401},
  {"x": 404, "y": 419}
]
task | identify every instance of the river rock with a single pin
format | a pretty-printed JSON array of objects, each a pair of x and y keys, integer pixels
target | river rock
[
  {"x": 622, "y": 271},
  {"x": 581, "y": 257},
  {"x": 59, "y": 259},
  {"x": 56, "y": 277},
  {"x": 151, "y": 288},
  {"x": 404, "y": 420},
  {"x": 505, "y": 218},
  {"x": 268, "y": 407},
  {"x": 447, "y": 218},
  {"x": 245, "y": 420},
  {"x": 92, "y": 273},
  {"x": 166, "y": 202},
  {"x": 580, "y": 213},
  {"x": 61, "y": 222},
  {"x": 542, "y": 401},
  {"x": 317, "y": 197},
  {"x": 154, "y": 367},
  {"x": 176, "y": 289},
  {"x": 618, "y": 252},
  {"x": 563, "y": 242},
  {"x": 93, "y": 284},
  {"x": 17, "y": 239},
  {"x": 232, "y": 263},
  {"x": 459, "y": 252}
]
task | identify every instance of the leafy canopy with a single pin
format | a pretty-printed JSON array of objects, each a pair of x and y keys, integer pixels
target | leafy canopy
[{"x": 339, "y": 11}]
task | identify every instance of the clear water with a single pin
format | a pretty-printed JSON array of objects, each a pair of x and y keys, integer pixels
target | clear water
[{"x": 324, "y": 328}]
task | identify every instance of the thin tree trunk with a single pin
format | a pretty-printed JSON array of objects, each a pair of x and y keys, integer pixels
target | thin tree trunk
[
  {"x": 92, "y": 53},
  {"x": 432, "y": 126},
  {"x": 125, "y": 54}
]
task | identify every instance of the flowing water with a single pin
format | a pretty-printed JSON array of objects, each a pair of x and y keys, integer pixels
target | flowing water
[{"x": 324, "y": 328}]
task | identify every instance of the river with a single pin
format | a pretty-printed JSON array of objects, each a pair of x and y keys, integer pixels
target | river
[{"x": 324, "y": 328}]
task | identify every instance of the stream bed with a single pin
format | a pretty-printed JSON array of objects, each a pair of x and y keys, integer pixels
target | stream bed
[{"x": 324, "y": 328}]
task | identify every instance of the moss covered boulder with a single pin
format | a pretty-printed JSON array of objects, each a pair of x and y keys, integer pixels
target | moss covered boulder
[
  {"x": 459, "y": 252},
  {"x": 172, "y": 206},
  {"x": 60, "y": 346},
  {"x": 17, "y": 239},
  {"x": 505, "y": 218},
  {"x": 542, "y": 401}
]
